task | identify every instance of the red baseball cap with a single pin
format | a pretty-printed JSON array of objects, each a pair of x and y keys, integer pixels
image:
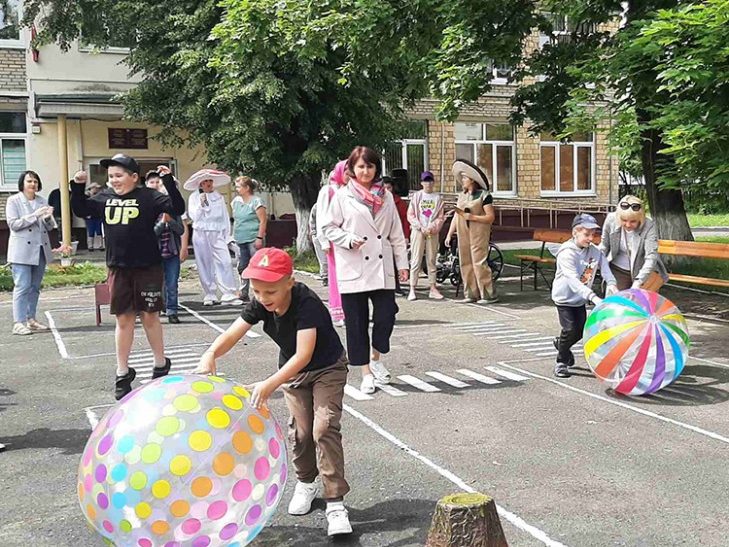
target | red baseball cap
[{"x": 269, "y": 264}]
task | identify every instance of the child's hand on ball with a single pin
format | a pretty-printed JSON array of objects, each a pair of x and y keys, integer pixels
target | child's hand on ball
[{"x": 260, "y": 392}]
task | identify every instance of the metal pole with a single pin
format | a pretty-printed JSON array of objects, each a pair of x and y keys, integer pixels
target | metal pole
[{"x": 63, "y": 181}]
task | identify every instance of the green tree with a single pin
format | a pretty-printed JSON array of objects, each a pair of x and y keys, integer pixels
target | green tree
[{"x": 236, "y": 77}]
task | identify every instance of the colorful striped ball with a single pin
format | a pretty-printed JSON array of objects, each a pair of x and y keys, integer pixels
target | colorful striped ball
[
  {"x": 636, "y": 341},
  {"x": 184, "y": 460}
]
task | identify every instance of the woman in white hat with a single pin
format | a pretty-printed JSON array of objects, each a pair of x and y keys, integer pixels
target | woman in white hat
[
  {"x": 472, "y": 222},
  {"x": 211, "y": 232}
]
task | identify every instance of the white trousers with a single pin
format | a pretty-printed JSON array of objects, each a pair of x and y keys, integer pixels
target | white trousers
[
  {"x": 213, "y": 263},
  {"x": 420, "y": 244}
]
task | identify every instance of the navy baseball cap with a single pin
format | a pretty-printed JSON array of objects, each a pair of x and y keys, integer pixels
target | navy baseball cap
[
  {"x": 585, "y": 221},
  {"x": 426, "y": 175},
  {"x": 127, "y": 162}
]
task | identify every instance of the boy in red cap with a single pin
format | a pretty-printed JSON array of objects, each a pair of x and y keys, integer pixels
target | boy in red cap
[{"x": 312, "y": 370}]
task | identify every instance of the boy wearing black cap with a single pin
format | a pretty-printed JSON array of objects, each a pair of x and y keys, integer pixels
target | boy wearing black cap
[
  {"x": 577, "y": 263},
  {"x": 129, "y": 213},
  {"x": 312, "y": 370}
]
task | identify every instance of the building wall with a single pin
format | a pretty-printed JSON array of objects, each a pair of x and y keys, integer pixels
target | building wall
[{"x": 12, "y": 70}]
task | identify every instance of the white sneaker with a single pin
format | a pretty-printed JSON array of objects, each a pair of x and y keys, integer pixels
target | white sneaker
[
  {"x": 209, "y": 301},
  {"x": 234, "y": 302},
  {"x": 435, "y": 294},
  {"x": 304, "y": 494},
  {"x": 337, "y": 519},
  {"x": 382, "y": 375},
  {"x": 21, "y": 329},
  {"x": 368, "y": 384},
  {"x": 36, "y": 326},
  {"x": 412, "y": 296}
]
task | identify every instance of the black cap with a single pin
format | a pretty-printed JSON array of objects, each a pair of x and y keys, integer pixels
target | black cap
[{"x": 127, "y": 162}]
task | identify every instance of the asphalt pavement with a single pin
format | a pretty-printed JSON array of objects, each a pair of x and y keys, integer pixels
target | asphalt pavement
[{"x": 473, "y": 406}]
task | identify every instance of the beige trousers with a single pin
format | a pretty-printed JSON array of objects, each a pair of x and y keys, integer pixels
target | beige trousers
[{"x": 419, "y": 244}]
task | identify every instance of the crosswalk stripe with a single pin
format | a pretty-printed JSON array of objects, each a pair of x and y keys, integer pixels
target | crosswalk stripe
[
  {"x": 447, "y": 379},
  {"x": 478, "y": 377},
  {"x": 169, "y": 354},
  {"x": 390, "y": 390},
  {"x": 462, "y": 325},
  {"x": 418, "y": 383},
  {"x": 506, "y": 374},
  {"x": 546, "y": 353},
  {"x": 355, "y": 393},
  {"x": 496, "y": 331},
  {"x": 509, "y": 334},
  {"x": 187, "y": 361},
  {"x": 481, "y": 326},
  {"x": 524, "y": 335},
  {"x": 170, "y": 348},
  {"x": 535, "y": 342}
]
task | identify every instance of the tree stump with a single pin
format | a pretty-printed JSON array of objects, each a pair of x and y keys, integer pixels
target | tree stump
[{"x": 466, "y": 520}]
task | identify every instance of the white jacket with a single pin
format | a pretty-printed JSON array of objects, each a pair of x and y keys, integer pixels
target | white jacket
[
  {"x": 212, "y": 218},
  {"x": 28, "y": 235},
  {"x": 370, "y": 267}
]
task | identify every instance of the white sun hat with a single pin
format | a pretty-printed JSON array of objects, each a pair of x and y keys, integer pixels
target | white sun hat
[{"x": 219, "y": 178}]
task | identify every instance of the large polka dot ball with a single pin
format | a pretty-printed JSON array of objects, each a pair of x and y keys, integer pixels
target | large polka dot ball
[
  {"x": 183, "y": 461},
  {"x": 636, "y": 341}
]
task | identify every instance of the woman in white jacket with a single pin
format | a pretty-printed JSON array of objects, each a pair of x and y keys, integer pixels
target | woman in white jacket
[
  {"x": 363, "y": 225},
  {"x": 211, "y": 232}
]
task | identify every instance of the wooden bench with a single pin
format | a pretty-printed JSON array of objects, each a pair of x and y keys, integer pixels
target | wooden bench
[
  {"x": 696, "y": 249},
  {"x": 536, "y": 263}
]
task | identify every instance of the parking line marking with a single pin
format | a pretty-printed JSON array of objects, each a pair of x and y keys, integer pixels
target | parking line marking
[
  {"x": 57, "y": 336},
  {"x": 495, "y": 310},
  {"x": 447, "y": 379},
  {"x": 355, "y": 393},
  {"x": 390, "y": 390},
  {"x": 534, "y": 343},
  {"x": 477, "y": 326},
  {"x": 695, "y": 429},
  {"x": 479, "y": 377},
  {"x": 514, "y": 519},
  {"x": 525, "y": 335},
  {"x": 418, "y": 383},
  {"x": 509, "y": 334},
  {"x": 506, "y": 374},
  {"x": 212, "y": 325}
]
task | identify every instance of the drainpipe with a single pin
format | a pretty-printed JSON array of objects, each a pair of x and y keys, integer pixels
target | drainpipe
[
  {"x": 63, "y": 182},
  {"x": 442, "y": 155}
]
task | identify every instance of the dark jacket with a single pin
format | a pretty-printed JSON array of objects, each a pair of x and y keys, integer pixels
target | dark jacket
[{"x": 176, "y": 227}]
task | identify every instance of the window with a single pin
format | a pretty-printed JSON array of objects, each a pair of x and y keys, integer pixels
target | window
[
  {"x": 10, "y": 17},
  {"x": 568, "y": 167},
  {"x": 491, "y": 147},
  {"x": 410, "y": 154},
  {"x": 563, "y": 27},
  {"x": 12, "y": 147}
]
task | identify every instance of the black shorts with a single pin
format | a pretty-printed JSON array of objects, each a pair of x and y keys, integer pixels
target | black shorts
[{"x": 135, "y": 290}]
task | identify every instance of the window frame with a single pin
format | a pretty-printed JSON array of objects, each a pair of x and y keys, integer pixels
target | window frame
[
  {"x": 13, "y": 184},
  {"x": 404, "y": 143},
  {"x": 494, "y": 144},
  {"x": 592, "y": 192},
  {"x": 19, "y": 43}
]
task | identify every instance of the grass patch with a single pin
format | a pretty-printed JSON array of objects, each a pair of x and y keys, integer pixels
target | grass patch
[
  {"x": 702, "y": 221},
  {"x": 510, "y": 255},
  {"x": 714, "y": 239},
  {"x": 305, "y": 262},
  {"x": 86, "y": 273}
]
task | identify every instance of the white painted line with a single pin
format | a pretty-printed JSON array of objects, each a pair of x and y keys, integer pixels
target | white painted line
[
  {"x": 473, "y": 324},
  {"x": 547, "y": 353},
  {"x": 140, "y": 351},
  {"x": 169, "y": 354},
  {"x": 418, "y": 383},
  {"x": 390, "y": 390},
  {"x": 506, "y": 374},
  {"x": 57, "y": 336},
  {"x": 725, "y": 365},
  {"x": 212, "y": 325},
  {"x": 476, "y": 326},
  {"x": 538, "y": 348},
  {"x": 75, "y": 308},
  {"x": 510, "y": 331},
  {"x": 176, "y": 365},
  {"x": 514, "y": 519},
  {"x": 447, "y": 379},
  {"x": 355, "y": 393},
  {"x": 92, "y": 417},
  {"x": 705, "y": 432},
  {"x": 535, "y": 342},
  {"x": 478, "y": 377},
  {"x": 495, "y": 310},
  {"x": 525, "y": 335}
]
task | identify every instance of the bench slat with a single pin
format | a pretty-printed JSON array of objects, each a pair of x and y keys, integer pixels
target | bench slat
[
  {"x": 557, "y": 236},
  {"x": 527, "y": 258},
  {"x": 699, "y": 280},
  {"x": 693, "y": 248}
]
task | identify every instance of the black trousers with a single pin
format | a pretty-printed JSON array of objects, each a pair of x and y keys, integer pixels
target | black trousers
[
  {"x": 357, "y": 318},
  {"x": 572, "y": 320}
]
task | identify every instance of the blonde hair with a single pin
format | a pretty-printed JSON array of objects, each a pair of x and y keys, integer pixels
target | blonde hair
[
  {"x": 624, "y": 215},
  {"x": 247, "y": 181}
]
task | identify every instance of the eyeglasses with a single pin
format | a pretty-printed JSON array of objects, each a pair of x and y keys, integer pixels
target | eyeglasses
[{"x": 624, "y": 205}]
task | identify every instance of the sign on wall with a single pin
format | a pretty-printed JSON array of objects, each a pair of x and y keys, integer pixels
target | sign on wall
[{"x": 136, "y": 139}]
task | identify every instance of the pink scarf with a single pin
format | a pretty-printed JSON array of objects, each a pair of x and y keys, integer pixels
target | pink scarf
[
  {"x": 338, "y": 174},
  {"x": 372, "y": 198}
]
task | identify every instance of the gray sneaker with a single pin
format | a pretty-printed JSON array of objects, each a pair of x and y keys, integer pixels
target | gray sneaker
[{"x": 381, "y": 374}]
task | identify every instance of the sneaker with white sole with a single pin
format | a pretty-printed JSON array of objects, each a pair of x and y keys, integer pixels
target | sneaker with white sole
[
  {"x": 304, "y": 495},
  {"x": 412, "y": 296},
  {"x": 382, "y": 375},
  {"x": 368, "y": 384},
  {"x": 337, "y": 519},
  {"x": 435, "y": 294},
  {"x": 35, "y": 326},
  {"x": 21, "y": 329},
  {"x": 234, "y": 302},
  {"x": 210, "y": 302}
]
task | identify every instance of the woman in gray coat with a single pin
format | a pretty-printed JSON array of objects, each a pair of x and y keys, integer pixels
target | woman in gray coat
[
  {"x": 29, "y": 218},
  {"x": 630, "y": 242}
]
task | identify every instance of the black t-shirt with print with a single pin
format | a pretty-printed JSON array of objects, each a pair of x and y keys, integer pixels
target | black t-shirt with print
[
  {"x": 129, "y": 222},
  {"x": 306, "y": 311}
]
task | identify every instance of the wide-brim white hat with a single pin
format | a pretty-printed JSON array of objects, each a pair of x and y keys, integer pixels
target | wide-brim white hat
[
  {"x": 472, "y": 171},
  {"x": 219, "y": 178}
]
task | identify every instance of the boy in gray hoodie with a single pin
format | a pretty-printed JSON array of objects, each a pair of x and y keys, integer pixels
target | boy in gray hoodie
[{"x": 577, "y": 263}]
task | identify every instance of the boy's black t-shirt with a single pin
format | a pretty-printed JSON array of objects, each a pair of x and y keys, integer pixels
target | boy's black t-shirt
[
  {"x": 129, "y": 222},
  {"x": 306, "y": 311}
]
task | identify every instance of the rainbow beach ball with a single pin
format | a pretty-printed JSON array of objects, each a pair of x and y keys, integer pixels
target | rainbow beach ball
[
  {"x": 184, "y": 460},
  {"x": 636, "y": 341}
]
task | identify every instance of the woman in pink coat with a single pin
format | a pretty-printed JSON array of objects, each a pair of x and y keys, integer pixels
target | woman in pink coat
[
  {"x": 364, "y": 228},
  {"x": 337, "y": 180}
]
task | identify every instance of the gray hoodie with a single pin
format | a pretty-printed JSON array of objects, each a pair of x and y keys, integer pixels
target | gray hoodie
[{"x": 576, "y": 269}]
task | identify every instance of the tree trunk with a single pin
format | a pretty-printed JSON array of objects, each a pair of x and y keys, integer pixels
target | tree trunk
[
  {"x": 304, "y": 191},
  {"x": 466, "y": 520}
]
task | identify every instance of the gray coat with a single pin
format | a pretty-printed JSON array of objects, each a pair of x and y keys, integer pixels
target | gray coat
[
  {"x": 28, "y": 234},
  {"x": 644, "y": 252}
]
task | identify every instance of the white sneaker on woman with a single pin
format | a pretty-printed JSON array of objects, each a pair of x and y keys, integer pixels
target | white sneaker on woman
[
  {"x": 304, "y": 495},
  {"x": 21, "y": 329},
  {"x": 337, "y": 519},
  {"x": 368, "y": 384},
  {"x": 382, "y": 375},
  {"x": 34, "y": 325}
]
